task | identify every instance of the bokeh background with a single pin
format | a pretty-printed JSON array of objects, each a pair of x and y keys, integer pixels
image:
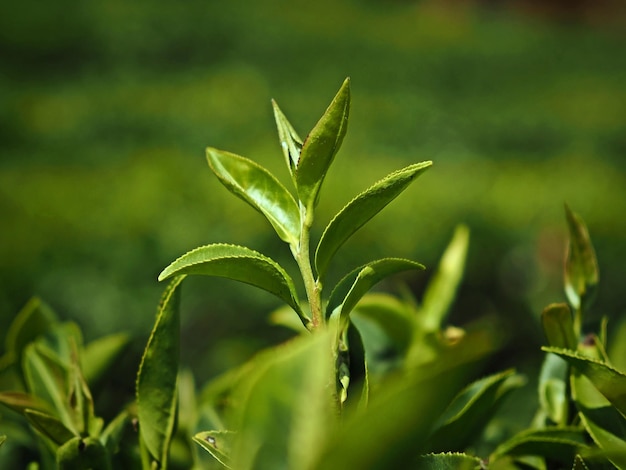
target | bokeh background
[{"x": 106, "y": 108}]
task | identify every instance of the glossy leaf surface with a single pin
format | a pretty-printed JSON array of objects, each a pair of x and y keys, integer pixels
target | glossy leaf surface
[
  {"x": 609, "y": 381},
  {"x": 361, "y": 209},
  {"x": 285, "y": 406},
  {"x": 355, "y": 285},
  {"x": 259, "y": 188},
  {"x": 157, "y": 376},
  {"x": 240, "y": 264},
  {"x": 290, "y": 142},
  {"x": 558, "y": 325},
  {"x": 581, "y": 266},
  {"x": 441, "y": 290},
  {"x": 217, "y": 443},
  {"x": 320, "y": 147}
]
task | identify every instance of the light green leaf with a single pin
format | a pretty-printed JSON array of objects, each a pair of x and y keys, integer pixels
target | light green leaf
[
  {"x": 158, "y": 372},
  {"x": 356, "y": 284},
  {"x": 290, "y": 142},
  {"x": 50, "y": 426},
  {"x": 470, "y": 411},
  {"x": 240, "y": 264},
  {"x": 553, "y": 390},
  {"x": 285, "y": 406},
  {"x": 361, "y": 209},
  {"x": 217, "y": 443},
  {"x": 441, "y": 290},
  {"x": 558, "y": 443},
  {"x": 83, "y": 454},
  {"x": 320, "y": 147},
  {"x": 609, "y": 381},
  {"x": 581, "y": 266},
  {"x": 558, "y": 325},
  {"x": 614, "y": 447},
  {"x": 101, "y": 354},
  {"x": 259, "y": 188},
  {"x": 33, "y": 320},
  {"x": 81, "y": 403},
  {"x": 450, "y": 461}
]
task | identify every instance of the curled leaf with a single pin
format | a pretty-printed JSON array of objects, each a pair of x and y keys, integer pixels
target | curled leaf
[
  {"x": 558, "y": 326},
  {"x": 356, "y": 284},
  {"x": 290, "y": 142},
  {"x": 240, "y": 264},
  {"x": 259, "y": 188},
  {"x": 361, "y": 209}
]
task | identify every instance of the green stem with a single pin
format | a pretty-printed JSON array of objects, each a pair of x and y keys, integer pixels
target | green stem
[{"x": 303, "y": 258}]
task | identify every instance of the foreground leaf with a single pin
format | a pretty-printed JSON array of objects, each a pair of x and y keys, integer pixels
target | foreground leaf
[
  {"x": 156, "y": 379},
  {"x": 320, "y": 147},
  {"x": 450, "y": 461},
  {"x": 240, "y": 264},
  {"x": 609, "y": 381},
  {"x": 217, "y": 443},
  {"x": 361, "y": 209},
  {"x": 356, "y": 284},
  {"x": 285, "y": 406},
  {"x": 553, "y": 389},
  {"x": 82, "y": 453},
  {"x": 259, "y": 188}
]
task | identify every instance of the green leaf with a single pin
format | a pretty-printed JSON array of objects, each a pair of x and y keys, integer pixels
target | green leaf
[
  {"x": 358, "y": 391},
  {"x": 101, "y": 354},
  {"x": 609, "y": 381},
  {"x": 83, "y": 454},
  {"x": 81, "y": 403},
  {"x": 450, "y": 461},
  {"x": 469, "y": 413},
  {"x": 217, "y": 443},
  {"x": 259, "y": 188},
  {"x": 441, "y": 290},
  {"x": 558, "y": 443},
  {"x": 50, "y": 426},
  {"x": 614, "y": 448},
  {"x": 285, "y": 406},
  {"x": 361, "y": 209},
  {"x": 290, "y": 142},
  {"x": 356, "y": 284},
  {"x": 553, "y": 390},
  {"x": 112, "y": 434},
  {"x": 320, "y": 147},
  {"x": 46, "y": 378},
  {"x": 240, "y": 264},
  {"x": 581, "y": 266},
  {"x": 2, "y": 440},
  {"x": 558, "y": 325},
  {"x": 158, "y": 372},
  {"x": 18, "y": 401},
  {"x": 33, "y": 320}
]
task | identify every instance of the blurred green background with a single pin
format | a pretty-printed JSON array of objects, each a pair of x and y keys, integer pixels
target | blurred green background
[{"x": 107, "y": 108}]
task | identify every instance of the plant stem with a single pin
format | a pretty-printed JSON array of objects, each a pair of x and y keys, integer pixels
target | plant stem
[{"x": 303, "y": 258}]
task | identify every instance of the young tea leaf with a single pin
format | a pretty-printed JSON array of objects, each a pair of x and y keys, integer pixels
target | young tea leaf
[
  {"x": 361, "y": 209},
  {"x": 356, "y": 284},
  {"x": 609, "y": 381},
  {"x": 320, "y": 147},
  {"x": 558, "y": 325},
  {"x": 442, "y": 288},
  {"x": 469, "y": 413},
  {"x": 259, "y": 188},
  {"x": 156, "y": 379},
  {"x": 290, "y": 142},
  {"x": 240, "y": 264},
  {"x": 553, "y": 390},
  {"x": 581, "y": 266},
  {"x": 82, "y": 453},
  {"x": 18, "y": 401},
  {"x": 50, "y": 426}
]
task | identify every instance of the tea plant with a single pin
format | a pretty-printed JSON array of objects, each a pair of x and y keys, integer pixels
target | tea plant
[{"x": 369, "y": 381}]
